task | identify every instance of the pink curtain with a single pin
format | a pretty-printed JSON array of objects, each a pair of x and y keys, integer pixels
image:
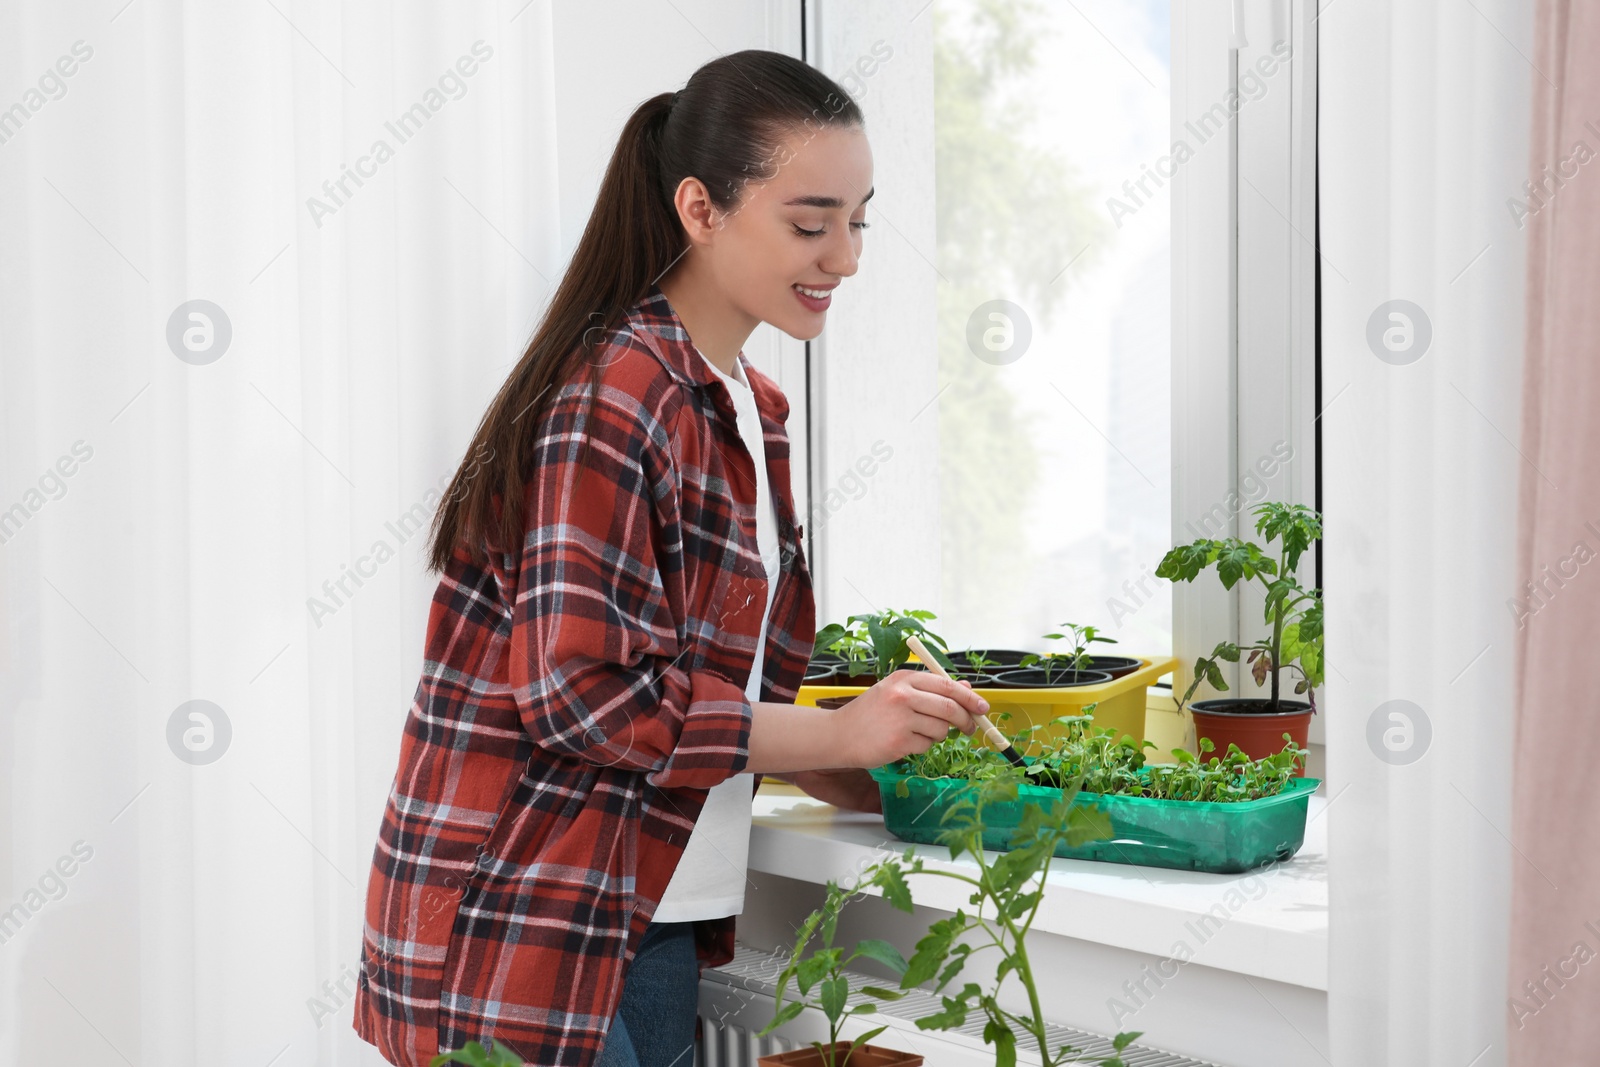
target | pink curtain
[{"x": 1554, "y": 995}]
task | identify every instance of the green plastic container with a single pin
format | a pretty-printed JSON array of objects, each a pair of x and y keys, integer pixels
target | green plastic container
[{"x": 1181, "y": 834}]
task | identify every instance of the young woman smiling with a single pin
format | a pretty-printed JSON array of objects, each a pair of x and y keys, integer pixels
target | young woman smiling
[{"x": 624, "y": 614}]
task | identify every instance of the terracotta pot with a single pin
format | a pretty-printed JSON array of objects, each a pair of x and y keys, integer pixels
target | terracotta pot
[
  {"x": 1039, "y": 678},
  {"x": 1248, "y": 724},
  {"x": 865, "y": 1056},
  {"x": 834, "y": 702}
]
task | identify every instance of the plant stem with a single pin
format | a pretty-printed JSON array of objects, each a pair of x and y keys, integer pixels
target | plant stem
[
  {"x": 1024, "y": 971},
  {"x": 1277, "y": 631}
]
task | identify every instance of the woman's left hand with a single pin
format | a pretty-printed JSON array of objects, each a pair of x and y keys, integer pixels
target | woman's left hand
[{"x": 851, "y": 788}]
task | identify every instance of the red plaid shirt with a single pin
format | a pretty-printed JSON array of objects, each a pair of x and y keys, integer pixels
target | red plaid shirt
[{"x": 577, "y": 701}]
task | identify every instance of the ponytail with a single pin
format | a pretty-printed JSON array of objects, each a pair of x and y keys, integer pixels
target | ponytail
[{"x": 723, "y": 127}]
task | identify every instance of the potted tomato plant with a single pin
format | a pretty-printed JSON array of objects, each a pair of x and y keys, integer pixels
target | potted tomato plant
[
  {"x": 821, "y": 981},
  {"x": 1006, "y": 892},
  {"x": 1293, "y": 615}
]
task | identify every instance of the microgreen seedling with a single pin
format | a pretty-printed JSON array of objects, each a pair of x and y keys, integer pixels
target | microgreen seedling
[{"x": 1105, "y": 764}]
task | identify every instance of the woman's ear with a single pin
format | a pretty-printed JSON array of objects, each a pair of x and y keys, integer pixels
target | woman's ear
[{"x": 699, "y": 216}]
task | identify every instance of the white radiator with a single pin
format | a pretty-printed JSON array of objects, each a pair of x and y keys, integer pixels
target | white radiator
[{"x": 738, "y": 998}]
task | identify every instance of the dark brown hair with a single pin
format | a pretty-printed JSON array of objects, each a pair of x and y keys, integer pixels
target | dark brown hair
[{"x": 725, "y": 127}]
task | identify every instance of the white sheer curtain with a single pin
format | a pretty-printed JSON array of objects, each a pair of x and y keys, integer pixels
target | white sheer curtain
[
  {"x": 1423, "y": 138},
  {"x": 232, "y": 508}
]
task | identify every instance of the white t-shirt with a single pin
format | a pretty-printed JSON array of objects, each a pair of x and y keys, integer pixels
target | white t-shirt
[{"x": 709, "y": 880}]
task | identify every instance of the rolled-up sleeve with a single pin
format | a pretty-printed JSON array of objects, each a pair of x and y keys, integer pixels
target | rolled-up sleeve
[{"x": 597, "y": 646}]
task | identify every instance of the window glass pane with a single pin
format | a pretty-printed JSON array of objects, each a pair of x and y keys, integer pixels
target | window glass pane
[{"x": 1053, "y": 304}]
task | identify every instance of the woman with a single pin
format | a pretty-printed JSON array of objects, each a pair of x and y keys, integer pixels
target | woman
[{"x": 624, "y": 613}]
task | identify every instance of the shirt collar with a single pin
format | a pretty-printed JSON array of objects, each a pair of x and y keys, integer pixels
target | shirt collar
[{"x": 654, "y": 321}]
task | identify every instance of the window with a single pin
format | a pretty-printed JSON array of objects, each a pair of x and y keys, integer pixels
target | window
[
  {"x": 1084, "y": 316},
  {"x": 1045, "y": 403}
]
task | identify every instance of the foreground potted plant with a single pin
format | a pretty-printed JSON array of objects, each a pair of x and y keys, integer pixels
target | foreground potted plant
[
  {"x": 1007, "y": 892},
  {"x": 824, "y": 971},
  {"x": 1294, "y": 615}
]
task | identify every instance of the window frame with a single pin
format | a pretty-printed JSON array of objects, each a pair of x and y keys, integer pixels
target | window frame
[{"x": 1244, "y": 284}]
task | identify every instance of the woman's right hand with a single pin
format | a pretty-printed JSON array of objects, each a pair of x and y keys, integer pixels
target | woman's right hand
[{"x": 908, "y": 711}]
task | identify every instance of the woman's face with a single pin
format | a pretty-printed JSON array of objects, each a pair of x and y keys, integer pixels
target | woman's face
[{"x": 788, "y": 241}]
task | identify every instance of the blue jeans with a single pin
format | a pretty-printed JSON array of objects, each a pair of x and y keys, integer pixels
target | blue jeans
[{"x": 654, "y": 1024}]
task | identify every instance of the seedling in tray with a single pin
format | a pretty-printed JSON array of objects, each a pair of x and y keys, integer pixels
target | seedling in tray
[
  {"x": 875, "y": 643},
  {"x": 1106, "y": 765},
  {"x": 1078, "y": 658}
]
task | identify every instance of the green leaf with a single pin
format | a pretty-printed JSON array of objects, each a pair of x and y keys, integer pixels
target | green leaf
[
  {"x": 927, "y": 959},
  {"x": 1237, "y": 559},
  {"x": 893, "y": 882},
  {"x": 863, "y": 1039},
  {"x": 1086, "y": 824},
  {"x": 1295, "y": 525},
  {"x": 877, "y": 949},
  {"x": 787, "y": 1013},
  {"x": 1311, "y": 622},
  {"x": 1005, "y": 967},
  {"x": 1123, "y": 1040},
  {"x": 811, "y": 970},
  {"x": 832, "y": 997},
  {"x": 1311, "y": 661},
  {"x": 955, "y": 1010},
  {"x": 1214, "y": 676},
  {"x": 1291, "y": 645},
  {"x": 882, "y": 993},
  {"x": 952, "y": 969},
  {"x": 1021, "y": 904},
  {"x": 827, "y": 637},
  {"x": 471, "y": 1053},
  {"x": 1000, "y": 1035}
]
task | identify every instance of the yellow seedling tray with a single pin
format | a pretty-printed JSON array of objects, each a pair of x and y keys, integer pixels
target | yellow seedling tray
[{"x": 1119, "y": 703}]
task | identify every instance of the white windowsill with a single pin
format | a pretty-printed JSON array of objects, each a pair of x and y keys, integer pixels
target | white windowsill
[{"x": 1272, "y": 923}]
